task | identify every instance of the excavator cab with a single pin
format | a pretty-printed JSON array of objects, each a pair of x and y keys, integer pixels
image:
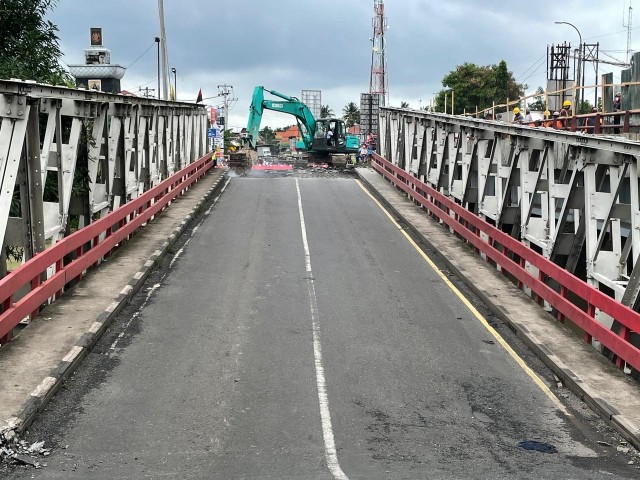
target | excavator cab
[{"x": 330, "y": 135}]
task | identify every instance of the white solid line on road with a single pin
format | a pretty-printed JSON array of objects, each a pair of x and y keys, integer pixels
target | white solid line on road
[{"x": 330, "y": 453}]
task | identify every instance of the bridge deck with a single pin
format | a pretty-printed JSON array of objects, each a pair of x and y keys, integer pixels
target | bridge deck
[
  {"x": 30, "y": 363},
  {"x": 217, "y": 374}
]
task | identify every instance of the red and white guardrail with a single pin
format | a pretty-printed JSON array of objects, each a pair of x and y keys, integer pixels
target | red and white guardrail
[
  {"x": 512, "y": 256},
  {"x": 90, "y": 245}
]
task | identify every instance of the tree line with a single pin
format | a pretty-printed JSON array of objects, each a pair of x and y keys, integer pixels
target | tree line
[
  {"x": 29, "y": 47},
  {"x": 481, "y": 86}
]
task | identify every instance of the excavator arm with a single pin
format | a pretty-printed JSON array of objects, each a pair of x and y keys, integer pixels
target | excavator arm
[{"x": 287, "y": 104}]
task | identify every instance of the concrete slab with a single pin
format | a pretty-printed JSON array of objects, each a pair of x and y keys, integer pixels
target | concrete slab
[
  {"x": 610, "y": 393},
  {"x": 35, "y": 362}
]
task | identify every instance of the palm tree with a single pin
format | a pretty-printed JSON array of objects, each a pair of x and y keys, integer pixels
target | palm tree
[
  {"x": 351, "y": 114},
  {"x": 404, "y": 104},
  {"x": 326, "y": 111}
]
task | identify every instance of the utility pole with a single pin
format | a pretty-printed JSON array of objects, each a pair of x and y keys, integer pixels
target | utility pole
[
  {"x": 148, "y": 92},
  {"x": 226, "y": 91},
  {"x": 163, "y": 47}
]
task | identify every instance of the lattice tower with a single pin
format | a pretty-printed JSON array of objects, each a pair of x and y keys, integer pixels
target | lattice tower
[{"x": 378, "y": 82}]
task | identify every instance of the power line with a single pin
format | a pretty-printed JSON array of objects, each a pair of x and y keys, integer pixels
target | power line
[
  {"x": 142, "y": 84},
  {"x": 142, "y": 55},
  {"x": 608, "y": 34},
  {"x": 532, "y": 66},
  {"x": 533, "y": 73}
]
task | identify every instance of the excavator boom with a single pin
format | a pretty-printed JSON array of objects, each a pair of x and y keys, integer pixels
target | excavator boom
[
  {"x": 320, "y": 137},
  {"x": 290, "y": 105}
]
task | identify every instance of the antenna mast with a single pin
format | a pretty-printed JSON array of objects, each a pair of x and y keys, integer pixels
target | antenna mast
[
  {"x": 629, "y": 28},
  {"x": 378, "y": 83}
]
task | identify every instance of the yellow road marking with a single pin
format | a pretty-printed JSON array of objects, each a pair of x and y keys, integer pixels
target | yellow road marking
[{"x": 536, "y": 379}]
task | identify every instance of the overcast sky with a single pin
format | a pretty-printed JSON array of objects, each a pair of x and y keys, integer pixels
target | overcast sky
[{"x": 291, "y": 45}]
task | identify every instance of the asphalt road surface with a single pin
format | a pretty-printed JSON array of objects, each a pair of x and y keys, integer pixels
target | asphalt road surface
[{"x": 269, "y": 347}]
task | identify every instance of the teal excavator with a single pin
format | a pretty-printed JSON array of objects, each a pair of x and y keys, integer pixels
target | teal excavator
[{"x": 320, "y": 137}]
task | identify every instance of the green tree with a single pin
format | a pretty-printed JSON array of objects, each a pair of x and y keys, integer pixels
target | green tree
[
  {"x": 478, "y": 86},
  {"x": 351, "y": 114},
  {"x": 538, "y": 105},
  {"x": 404, "y": 104},
  {"x": 228, "y": 137},
  {"x": 29, "y": 47},
  {"x": 268, "y": 135},
  {"x": 326, "y": 111},
  {"x": 585, "y": 107}
]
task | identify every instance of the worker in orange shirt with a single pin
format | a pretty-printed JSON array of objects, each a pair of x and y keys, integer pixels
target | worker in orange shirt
[{"x": 565, "y": 113}]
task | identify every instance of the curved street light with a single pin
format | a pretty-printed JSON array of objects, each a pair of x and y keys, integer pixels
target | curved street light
[{"x": 579, "y": 94}]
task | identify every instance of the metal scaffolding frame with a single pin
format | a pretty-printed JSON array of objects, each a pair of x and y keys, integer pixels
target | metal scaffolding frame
[
  {"x": 572, "y": 197},
  {"x": 132, "y": 144}
]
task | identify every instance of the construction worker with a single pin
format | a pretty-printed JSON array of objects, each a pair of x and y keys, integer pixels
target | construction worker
[
  {"x": 617, "y": 107},
  {"x": 556, "y": 122},
  {"x": 362, "y": 154},
  {"x": 517, "y": 116},
  {"x": 565, "y": 113},
  {"x": 548, "y": 122},
  {"x": 590, "y": 122},
  {"x": 528, "y": 119}
]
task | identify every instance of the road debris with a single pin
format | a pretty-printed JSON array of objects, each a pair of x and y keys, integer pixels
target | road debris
[{"x": 20, "y": 452}]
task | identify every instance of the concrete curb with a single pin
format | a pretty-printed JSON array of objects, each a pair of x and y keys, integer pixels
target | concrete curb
[
  {"x": 51, "y": 384},
  {"x": 627, "y": 429}
]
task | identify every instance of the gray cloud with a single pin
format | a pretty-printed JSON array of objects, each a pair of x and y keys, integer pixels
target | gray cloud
[{"x": 290, "y": 45}]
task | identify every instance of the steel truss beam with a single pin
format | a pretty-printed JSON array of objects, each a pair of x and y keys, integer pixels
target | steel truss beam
[
  {"x": 128, "y": 144},
  {"x": 572, "y": 197}
]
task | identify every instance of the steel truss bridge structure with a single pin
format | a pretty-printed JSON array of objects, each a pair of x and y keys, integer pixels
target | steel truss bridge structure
[
  {"x": 68, "y": 153},
  {"x": 573, "y": 198}
]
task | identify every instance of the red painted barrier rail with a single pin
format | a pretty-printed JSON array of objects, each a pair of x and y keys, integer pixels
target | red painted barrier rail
[
  {"x": 512, "y": 256},
  {"x": 89, "y": 245}
]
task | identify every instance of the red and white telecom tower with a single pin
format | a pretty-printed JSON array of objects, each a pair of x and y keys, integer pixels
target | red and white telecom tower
[{"x": 378, "y": 80}]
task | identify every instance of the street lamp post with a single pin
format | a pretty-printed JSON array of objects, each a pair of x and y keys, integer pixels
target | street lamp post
[
  {"x": 579, "y": 93},
  {"x": 175, "y": 84},
  {"x": 158, "y": 42}
]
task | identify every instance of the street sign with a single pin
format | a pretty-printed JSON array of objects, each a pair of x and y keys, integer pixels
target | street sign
[{"x": 212, "y": 133}]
